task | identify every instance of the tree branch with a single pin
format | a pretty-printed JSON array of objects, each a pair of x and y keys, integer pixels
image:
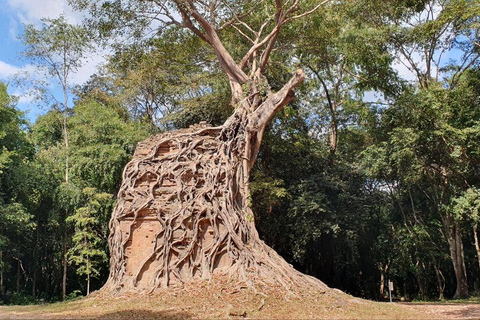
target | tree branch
[
  {"x": 275, "y": 102},
  {"x": 226, "y": 61}
]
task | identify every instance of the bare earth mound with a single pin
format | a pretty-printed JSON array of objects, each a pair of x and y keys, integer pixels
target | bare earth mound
[{"x": 217, "y": 300}]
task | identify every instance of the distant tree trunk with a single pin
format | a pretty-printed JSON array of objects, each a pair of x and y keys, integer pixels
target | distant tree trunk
[
  {"x": 64, "y": 265},
  {"x": 34, "y": 263},
  {"x": 34, "y": 283},
  {"x": 1, "y": 272},
  {"x": 18, "y": 275},
  {"x": 333, "y": 104},
  {"x": 477, "y": 245},
  {"x": 383, "y": 274},
  {"x": 419, "y": 278},
  {"x": 456, "y": 254},
  {"x": 333, "y": 135},
  {"x": 440, "y": 281},
  {"x": 88, "y": 284},
  {"x": 47, "y": 261}
]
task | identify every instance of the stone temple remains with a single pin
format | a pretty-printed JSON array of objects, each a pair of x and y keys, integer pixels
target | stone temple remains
[{"x": 182, "y": 215}]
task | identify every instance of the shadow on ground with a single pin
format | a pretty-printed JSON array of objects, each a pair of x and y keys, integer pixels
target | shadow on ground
[
  {"x": 145, "y": 314},
  {"x": 118, "y": 315},
  {"x": 471, "y": 311},
  {"x": 462, "y": 311}
]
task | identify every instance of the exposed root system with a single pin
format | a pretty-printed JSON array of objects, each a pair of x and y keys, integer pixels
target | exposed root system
[{"x": 182, "y": 215}]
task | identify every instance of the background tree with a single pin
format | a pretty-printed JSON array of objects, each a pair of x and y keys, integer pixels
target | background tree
[
  {"x": 16, "y": 222},
  {"x": 57, "y": 50},
  {"x": 88, "y": 251}
]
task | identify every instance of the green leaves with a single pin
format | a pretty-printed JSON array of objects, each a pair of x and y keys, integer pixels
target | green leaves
[
  {"x": 14, "y": 144},
  {"x": 57, "y": 50},
  {"x": 101, "y": 144},
  {"x": 89, "y": 240},
  {"x": 466, "y": 206}
]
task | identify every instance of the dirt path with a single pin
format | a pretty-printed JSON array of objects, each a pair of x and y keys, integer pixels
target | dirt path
[{"x": 447, "y": 310}]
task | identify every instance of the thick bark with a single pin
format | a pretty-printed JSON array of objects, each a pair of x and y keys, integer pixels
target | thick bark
[{"x": 182, "y": 212}]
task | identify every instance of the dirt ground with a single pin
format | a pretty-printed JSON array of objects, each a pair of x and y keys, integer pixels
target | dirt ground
[
  {"x": 425, "y": 311},
  {"x": 228, "y": 302},
  {"x": 448, "y": 310}
]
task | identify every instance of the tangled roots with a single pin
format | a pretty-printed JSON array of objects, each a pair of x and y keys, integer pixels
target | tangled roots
[{"x": 182, "y": 216}]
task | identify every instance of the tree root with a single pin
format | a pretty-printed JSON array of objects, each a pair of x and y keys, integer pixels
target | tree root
[{"x": 189, "y": 187}]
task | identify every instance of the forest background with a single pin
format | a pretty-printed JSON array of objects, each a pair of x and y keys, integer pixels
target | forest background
[{"x": 365, "y": 177}]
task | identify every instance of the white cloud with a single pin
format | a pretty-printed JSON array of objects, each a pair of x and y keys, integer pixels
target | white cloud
[
  {"x": 7, "y": 70},
  {"x": 24, "y": 97},
  {"x": 13, "y": 28},
  {"x": 403, "y": 71},
  {"x": 31, "y": 11},
  {"x": 90, "y": 65}
]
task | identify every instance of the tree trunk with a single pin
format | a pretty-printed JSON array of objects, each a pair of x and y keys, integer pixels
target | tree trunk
[
  {"x": 182, "y": 212},
  {"x": 67, "y": 173},
  {"x": 64, "y": 265},
  {"x": 440, "y": 281},
  {"x": 1, "y": 273},
  {"x": 333, "y": 134},
  {"x": 34, "y": 283},
  {"x": 477, "y": 246},
  {"x": 34, "y": 262},
  {"x": 18, "y": 276},
  {"x": 457, "y": 257},
  {"x": 88, "y": 284},
  {"x": 419, "y": 278},
  {"x": 383, "y": 273}
]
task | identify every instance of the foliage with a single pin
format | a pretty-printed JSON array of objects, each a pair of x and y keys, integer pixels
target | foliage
[
  {"x": 56, "y": 50},
  {"x": 89, "y": 241},
  {"x": 402, "y": 179}
]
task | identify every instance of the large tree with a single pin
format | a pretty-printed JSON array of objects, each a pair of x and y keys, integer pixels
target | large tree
[{"x": 212, "y": 226}]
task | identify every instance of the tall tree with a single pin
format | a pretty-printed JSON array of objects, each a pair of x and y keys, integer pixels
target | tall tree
[
  {"x": 219, "y": 204},
  {"x": 344, "y": 57},
  {"x": 57, "y": 50},
  {"x": 16, "y": 223},
  {"x": 428, "y": 159},
  {"x": 423, "y": 33},
  {"x": 87, "y": 252}
]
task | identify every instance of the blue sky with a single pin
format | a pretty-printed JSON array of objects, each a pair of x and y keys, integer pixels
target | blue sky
[{"x": 13, "y": 15}]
